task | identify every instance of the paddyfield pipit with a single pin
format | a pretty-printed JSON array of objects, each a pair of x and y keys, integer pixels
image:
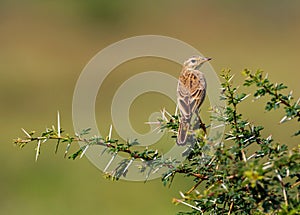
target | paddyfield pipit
[{"x": 191, "y": 91}]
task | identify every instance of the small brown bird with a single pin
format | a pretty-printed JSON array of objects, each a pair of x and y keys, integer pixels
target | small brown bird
[{"x": 191, "y": 92}]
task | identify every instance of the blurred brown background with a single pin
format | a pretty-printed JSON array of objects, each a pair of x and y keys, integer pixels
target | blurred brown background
[{"x": 44, "y": 45}]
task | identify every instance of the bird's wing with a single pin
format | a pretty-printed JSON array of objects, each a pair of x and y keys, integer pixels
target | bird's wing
[
  {"x": 197, "y": 90},
  {"x": 190, "y": 93},
  {"x": 183, "y": 100}
]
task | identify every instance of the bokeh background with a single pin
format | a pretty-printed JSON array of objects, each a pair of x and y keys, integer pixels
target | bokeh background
[{"x": 44, "y": 45}]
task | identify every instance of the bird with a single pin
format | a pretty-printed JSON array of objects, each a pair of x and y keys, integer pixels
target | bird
[{"x": 191, "y": 91}]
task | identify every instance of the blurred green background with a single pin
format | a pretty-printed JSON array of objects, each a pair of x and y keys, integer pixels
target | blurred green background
[{"x": 46, "y": 44}]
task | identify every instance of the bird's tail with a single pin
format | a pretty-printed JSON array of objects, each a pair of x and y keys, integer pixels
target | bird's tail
[{"x": 182, "y": 133}]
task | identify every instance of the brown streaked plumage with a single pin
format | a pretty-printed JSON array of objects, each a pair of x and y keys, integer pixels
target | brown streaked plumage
[{"x": 191, "y": 92}]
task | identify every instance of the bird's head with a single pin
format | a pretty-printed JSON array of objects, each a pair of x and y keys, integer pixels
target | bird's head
[{"x": 195, "y": 62}]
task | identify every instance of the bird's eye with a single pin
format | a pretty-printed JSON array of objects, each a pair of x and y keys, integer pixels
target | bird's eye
[{"x": 193, "y": 61}]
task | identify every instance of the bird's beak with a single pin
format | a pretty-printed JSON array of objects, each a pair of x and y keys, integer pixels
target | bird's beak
[{"x": 208, "y": 58}]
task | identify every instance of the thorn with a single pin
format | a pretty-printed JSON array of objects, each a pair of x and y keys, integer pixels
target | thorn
[
  {"x": 246, "y": 96},
  {"x": 213, "y": 158},
  {"x": 168, "y": 114},
  {"x": 67, "y": 149},
  {"x": 111, "y": 160},
  {"x": 290, "y": 94},
  {"x": 26, "y": 133},
  {"x": 110, "y": 130},
  {"x": 156, "y": 129},
  {"x": 244, "y": 156},
  {"x": 218, "y": 126},
  {"x": 224, "y": 186},
  {"x": 181, "y": 194},
  {"x": 250, "y": 138},
  {"x": 251, "y": 156},
  {"x": 267, "y": 74},
  {"x": 167, "y": 176},
  {"x": 189, "y": 205},
  {"x": 176, "y": 110},
  {"x": 231, "y": 138},
  {"x": 252, "y": 128},
  {"x": 186, "y": 150},
  {"x": 128, "y": 165},
  {"x": 283, "y": 119},
  {"x": 37, "y": 150},
  {"x": 230, "y": 78},
  {"x": 58, "y": 124},
  {"x": 152, "y": 123},
  {"x": 84, "y": 151},
  {"x": 256, "y": 98},
  {"x": 163, "y": 115},
  {"x": 156, "y": 170}
]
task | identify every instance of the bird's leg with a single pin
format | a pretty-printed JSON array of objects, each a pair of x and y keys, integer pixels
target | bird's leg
[{"x": 202, "y": 125}]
